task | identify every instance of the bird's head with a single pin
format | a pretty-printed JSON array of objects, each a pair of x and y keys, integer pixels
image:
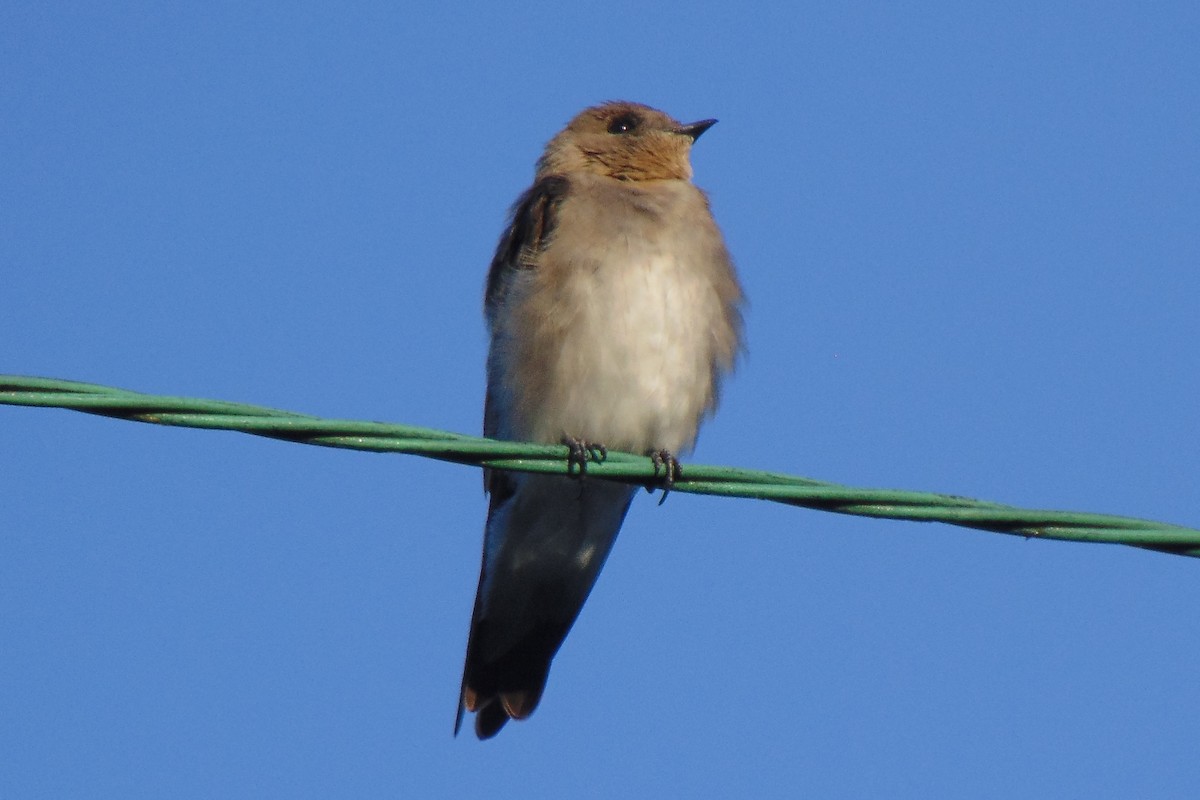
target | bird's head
[{"x": 625, "y": 141}]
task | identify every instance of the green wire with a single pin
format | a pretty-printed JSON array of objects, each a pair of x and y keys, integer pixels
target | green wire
[{"x": 626, "y": 467}]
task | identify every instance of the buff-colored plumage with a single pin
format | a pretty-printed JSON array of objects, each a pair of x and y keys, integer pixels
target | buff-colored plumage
[{"x": 614, "y": 311}]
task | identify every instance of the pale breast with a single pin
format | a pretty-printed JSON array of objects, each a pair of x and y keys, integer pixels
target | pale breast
[{"x": 618, "y": 330}]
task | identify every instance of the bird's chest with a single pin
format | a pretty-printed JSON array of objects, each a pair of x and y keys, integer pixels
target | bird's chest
[
  {"x": 627, "y": 340},
  {"x": 638, "y": 328}
]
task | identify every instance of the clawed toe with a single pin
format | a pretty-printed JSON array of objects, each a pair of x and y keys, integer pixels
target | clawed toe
[
  {"x": 668, "y": 464},
  {"x": 581, "y": 452}
]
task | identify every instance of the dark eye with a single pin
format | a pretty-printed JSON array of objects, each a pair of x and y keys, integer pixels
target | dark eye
[{"x": 625, "y": 123}]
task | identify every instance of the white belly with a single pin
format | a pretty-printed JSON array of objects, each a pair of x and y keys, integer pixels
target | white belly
[{"x": 634, "y": 368}]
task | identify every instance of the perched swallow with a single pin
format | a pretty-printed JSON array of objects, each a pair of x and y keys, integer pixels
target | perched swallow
[{"x": 614, "y": 312}]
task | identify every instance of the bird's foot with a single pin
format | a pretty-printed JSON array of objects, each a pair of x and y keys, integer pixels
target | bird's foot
[
  {"x": 582, "y": 452},
  {"x": 668, "y": 464}
]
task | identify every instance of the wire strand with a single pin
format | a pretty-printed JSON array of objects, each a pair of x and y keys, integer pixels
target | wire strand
[{"x": 625, "y": 467}]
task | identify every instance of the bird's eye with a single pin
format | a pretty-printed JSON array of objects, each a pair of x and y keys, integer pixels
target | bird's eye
[{"x": 625, "y": 123}]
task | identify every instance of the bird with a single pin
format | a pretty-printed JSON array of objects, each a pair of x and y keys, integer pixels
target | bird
[{"x": 614, "y": 312}]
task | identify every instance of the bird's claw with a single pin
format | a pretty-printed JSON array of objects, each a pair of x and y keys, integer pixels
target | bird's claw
[
  {"x": 668, "y": 464},
  {"x": 581, "y": 452}
]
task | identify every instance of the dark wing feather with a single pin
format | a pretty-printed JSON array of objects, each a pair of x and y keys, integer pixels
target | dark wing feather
[{"x": 531, "y": 225}]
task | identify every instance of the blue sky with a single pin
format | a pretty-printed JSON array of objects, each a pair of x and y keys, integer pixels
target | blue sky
[{"x": 970, "y": 241}]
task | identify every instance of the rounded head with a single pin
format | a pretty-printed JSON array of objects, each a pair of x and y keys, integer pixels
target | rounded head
[{"x": 625, "y": 141}]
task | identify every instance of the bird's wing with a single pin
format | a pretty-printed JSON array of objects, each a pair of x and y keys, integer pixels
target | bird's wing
[{"x": 531, "y": 226}]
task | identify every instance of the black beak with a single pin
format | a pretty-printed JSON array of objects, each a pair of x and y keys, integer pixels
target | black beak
[{"x": 694, "y": 129}]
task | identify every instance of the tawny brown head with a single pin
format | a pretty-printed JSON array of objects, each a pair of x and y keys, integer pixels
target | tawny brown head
[{"x": 625, "y": 141}]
